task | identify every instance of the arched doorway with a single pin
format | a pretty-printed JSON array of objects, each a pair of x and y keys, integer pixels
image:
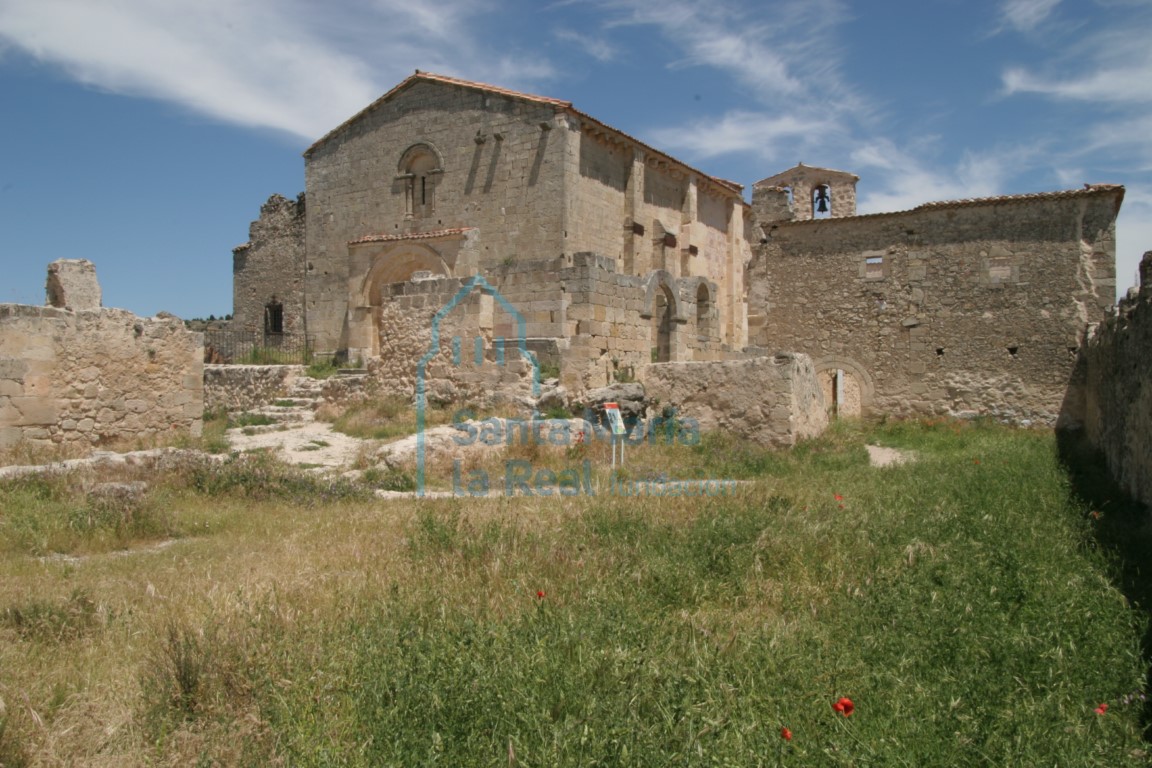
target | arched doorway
[
  {"x": 396, "y": 265},
  {"x": 846, "y": 384}
]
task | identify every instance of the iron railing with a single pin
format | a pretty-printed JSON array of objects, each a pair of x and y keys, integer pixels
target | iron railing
[{"x": 255, "y": 348}]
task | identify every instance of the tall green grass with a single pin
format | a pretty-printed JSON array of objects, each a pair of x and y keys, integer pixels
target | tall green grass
[{"x": 970, "y": 604}]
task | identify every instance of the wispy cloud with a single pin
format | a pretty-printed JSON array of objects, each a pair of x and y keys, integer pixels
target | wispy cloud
[
  {"x": 1027, "y": 15},
  {"x": 596, "y": 47},
  {"x": 761, "y": 135},
  {"x": 786, "y": 63},
  {"x": 901, "y": 179},
  {"x": 288, "y": 65},
  {"x": 789, "y": 52}
]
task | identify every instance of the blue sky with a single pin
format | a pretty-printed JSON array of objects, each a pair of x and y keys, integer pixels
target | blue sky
[{"x": 145, "y": 134}]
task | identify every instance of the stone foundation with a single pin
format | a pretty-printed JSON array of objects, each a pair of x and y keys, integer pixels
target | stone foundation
[{"x": 774, "y": 401}]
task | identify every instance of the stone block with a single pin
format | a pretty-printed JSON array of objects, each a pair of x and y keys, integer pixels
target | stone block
[{"x": 72, "y": 284}]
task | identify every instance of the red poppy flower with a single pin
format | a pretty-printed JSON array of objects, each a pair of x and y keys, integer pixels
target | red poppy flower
[
  {"x": 844, "y": 706},
  {"x": 785, "y": 734},
  {"x": 839, "y": 497},
  {"x": 540, "y": 595},
  {"x": 1101, "y": 709}
]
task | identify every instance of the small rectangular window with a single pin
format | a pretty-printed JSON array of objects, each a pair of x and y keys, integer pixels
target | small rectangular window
[{"x": 874, "y": 266}]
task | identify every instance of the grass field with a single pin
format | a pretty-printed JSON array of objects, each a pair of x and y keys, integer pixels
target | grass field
[{"x": 978, "y": 606}]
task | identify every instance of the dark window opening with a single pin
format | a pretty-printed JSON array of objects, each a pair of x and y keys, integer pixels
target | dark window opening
[
  {"x": 939, "y": 351},
  {"x": 273, "y": 317},
  {"x": 1013, "y": 350}
]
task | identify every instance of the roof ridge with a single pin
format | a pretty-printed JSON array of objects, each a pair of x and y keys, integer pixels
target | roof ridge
[{"x": 567, "y": 106}]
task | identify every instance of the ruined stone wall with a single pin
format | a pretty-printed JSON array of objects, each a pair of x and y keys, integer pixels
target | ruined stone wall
[
  {"x": 470, "y": 353},
  {"x": 1118, "y": 401},
  {"x": 597, "y": 324},
  {"x": 243, "y": 387},
  {"x": 96, "y": 375},
  {"x": 501, "y": 170},
  {"x": 774, "y": 401},
  {"x": 964, "y": 308},
  {"x": 270, "y": 268}
]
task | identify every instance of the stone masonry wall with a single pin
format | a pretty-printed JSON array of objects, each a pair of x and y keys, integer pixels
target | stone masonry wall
[
  {"x": 271, "y": 266},
  {"x": 965, "y": 308},
  {"x": 96, "y": 375},
  {"x": 1118, "y": 402},
  {"x": 598, "y": 325},
  {"x": 243, "y": 387},
  {"x": 774, "y": 401},
  {"x": 501, "y": 171}
]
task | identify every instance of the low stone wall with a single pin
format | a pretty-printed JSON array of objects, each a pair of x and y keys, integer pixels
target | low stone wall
[
  {"x": 243, "y": 387},
  {"x": 774, "y": 401},
  {"x": 1118, "y": 391},
  {"x": 96, "y": 375}
]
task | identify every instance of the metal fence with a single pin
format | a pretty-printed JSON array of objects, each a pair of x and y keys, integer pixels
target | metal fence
[{"x": 253, "y": 348}]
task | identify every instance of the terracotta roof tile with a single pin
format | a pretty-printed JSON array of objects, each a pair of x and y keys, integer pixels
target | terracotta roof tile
[
  {"x": 411, "y": 236},
  {"x": 1087, "y": 190}
]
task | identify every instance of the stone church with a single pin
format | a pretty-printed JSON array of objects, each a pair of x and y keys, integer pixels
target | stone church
[{"x": 616, "y": 255}]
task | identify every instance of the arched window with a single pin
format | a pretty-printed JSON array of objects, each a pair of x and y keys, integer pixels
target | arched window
[
  {"x": 419, "y": 169},
  {"x": 273, "y": 317}
]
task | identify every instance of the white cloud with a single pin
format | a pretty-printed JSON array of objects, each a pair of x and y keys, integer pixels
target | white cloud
[
  {"x": 277, "y": 64},
  {"x": 904, "y": 181},
  {"x": 1111, "y": 65},
  {"x": 1133, "y": 234},
  {"x": 789, "y": 53},
  {"x": 596, "y": 47},
  {"x": 1026, "y": 15},
  {"x": 757, "y": 133}
]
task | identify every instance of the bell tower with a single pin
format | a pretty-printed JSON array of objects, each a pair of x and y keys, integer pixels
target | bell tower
[{"x": 811, "y": 193}]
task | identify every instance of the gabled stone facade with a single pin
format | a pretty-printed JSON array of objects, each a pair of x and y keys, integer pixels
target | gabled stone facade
[{"x": 447, "y": 178}]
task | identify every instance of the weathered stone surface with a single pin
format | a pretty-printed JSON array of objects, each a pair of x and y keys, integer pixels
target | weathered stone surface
[
  {"x": 773, "y": 401},
  {"x": 1117, "y": 406},
  {"x": 269, "y": 271},
  {"x": 630, "y": 397},
  {"x": 244, "y": 387},
  {"x": 96, "y": 375},
  {"x": 947, "y": 309},
  {"x": 72, "y": 284}
]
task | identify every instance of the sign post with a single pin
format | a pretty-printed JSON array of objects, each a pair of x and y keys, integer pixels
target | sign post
[{"x": 616, "y": 421}]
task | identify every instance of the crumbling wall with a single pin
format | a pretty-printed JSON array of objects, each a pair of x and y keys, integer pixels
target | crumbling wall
[
  {"x": 963, "y": 308},
  {"x": 96, "y": 375},
  {"x": 72, "y": 284},
  {"x": 243, "y": 387},
  {"x": 1118, "y": 391},
  {"x": 774, "y": 401},
  {"x": 596, "y": 324},
  {"x": 269, "y": 270}
]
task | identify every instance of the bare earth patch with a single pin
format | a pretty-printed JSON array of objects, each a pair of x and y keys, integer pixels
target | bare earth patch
[{"x": 880, "y": 456}]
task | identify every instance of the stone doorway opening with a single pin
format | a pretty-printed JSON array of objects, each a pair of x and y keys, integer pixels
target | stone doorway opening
[{"x": 842, "y": 392}]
